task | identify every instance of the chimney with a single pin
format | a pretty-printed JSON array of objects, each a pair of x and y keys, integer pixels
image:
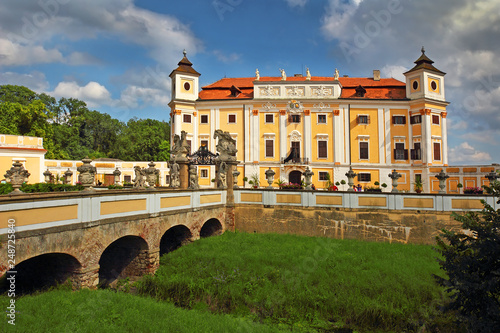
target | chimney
[{"x": 376, "y": 75}]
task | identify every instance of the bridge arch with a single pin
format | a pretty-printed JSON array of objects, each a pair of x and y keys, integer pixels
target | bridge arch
[
  {"x": 212, "y": 227},
  {"x": 126, "y": 256},
  {"x": 41, "y": 272},
  {"x": 174, "y": 238}
]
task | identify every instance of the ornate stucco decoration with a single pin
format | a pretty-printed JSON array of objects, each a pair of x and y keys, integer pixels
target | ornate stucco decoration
[
  {"x": 295, "y": 136},
  {"x": 269, "y": 91},
  {"x": 321, "y": 106},
  {"x": 322, "y": 91},
  {"x": 269, "y": 106},
  {"x": 295, "y": 91},
  {"x": 294, "y": 107}
]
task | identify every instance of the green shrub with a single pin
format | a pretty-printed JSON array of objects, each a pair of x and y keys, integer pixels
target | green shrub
[{"x": 472, "y": 264}]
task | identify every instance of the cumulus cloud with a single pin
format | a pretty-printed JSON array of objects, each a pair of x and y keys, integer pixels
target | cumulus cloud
[
  {"x": 29, "y": 23},
  {"x": 34, "y": 80},
  {"x": 468, "y": 154},
  {"x": 93, "y": 93},
  {"x": 12, "y": 54}
]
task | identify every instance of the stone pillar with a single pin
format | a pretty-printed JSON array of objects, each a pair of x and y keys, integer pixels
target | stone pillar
[
  {"x": 231, "y": 165},
  {"x": 86, "y": 277},
  {"x": 184, "y": 174},
  {"x": 350, "y": 179}
]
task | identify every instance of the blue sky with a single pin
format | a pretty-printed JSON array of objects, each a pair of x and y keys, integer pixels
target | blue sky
[{"x": 116, "y": 55}]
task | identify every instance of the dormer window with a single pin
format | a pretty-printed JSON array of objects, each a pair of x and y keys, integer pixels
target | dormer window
[
  {"x": 235, "y": 91},
  {"x": 360, "y": 91}
]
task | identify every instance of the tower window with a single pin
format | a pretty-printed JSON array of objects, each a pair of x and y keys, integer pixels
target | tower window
[
  {"x": 231, "y": 119},
  {"x": 269, "y": 119},
  {"x": 435, "y": 120},
  {"x": 187, "y": 86},
  {"x": 416, "y": 119},
  {"x": 433, "y": 85},
  {"x": 415, "y": 85},
  {"x": 204, "y": 119},
  {"x": 269, "y": 148},
  {"x": 437, "y": 151},
  {"x": 186, "y": 118}
]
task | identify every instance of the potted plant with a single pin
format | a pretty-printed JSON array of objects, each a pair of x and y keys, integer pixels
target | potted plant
[
  {"x": 343, "y": 183},
  {"x": 255, "y": 182},
  {"x": 459, "y": 186},
  {"x": 384, "y": 185},
  {"x": 245, "y": 179},
  {"x": 473, "y": 190},
  {"x": 418, "y": 185},
  {"x": 280, "y": 182}
]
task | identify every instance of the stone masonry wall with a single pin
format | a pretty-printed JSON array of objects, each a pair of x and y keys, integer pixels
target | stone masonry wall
[{"x": 372, "y": 225}]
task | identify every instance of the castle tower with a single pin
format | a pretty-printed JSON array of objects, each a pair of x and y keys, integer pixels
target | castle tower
[
  {"x": 185, "y": 88},
  {"x": 425, "y": 89}
]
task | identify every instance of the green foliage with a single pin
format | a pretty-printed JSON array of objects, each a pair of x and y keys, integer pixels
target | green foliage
[
  {"x": 41, "y": 187},
  {"x": 71, "y": 131},
  {"x": 472, "y": 264},
  {"x": 384, "y": 185},
  {"x": 317, "y": 284},
  {"x": 114, "y": 187}
]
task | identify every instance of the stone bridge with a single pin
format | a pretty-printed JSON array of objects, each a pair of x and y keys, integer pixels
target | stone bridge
[
  {"x": 96, "y": 238},
  {"x": 99, "y": 237}
]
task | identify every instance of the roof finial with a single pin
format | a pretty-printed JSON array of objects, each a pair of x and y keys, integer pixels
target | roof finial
[
  {"x": 184, "y": 52},
  {"x": 423, "y": 50}
]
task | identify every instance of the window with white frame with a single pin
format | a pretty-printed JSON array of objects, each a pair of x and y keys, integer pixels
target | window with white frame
[
  {"x": 363, "y": 119},
  {"x": 186, "y": 118},
  {"x": 364, "y": 177},
  {"x": 363, "y": 150},
  {"x": 269, "y": 147},
  {"x": 321, "y": 118},
  {"x": 323, "y": 176},
  {"x": 269, "y": 118},
  {"x": 204, "y": 119},
  {"x": 231, "y": 119},
  {"x": 322, "y": 149},
  {"x": 399, "y": 120}
]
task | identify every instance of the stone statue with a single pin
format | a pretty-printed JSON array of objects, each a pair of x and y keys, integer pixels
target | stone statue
[
  {"x": 257, "y": 75},
  {"x": 193, "y": 177},
  {"x": 308, "y": 74},
  {"x": 140, "y": 178},
  {"x": 336, "y": 76},
  {"x": 222, "y": 181},
  {"x": 180, "y": 149},
  {"x": 175, "y": 181},
  {"x": 226, "y": 146},
  {"x": 283, "y": 75}
]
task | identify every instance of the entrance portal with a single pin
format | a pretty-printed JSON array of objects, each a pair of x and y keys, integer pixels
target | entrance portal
[{"x": 295, "y": 177}]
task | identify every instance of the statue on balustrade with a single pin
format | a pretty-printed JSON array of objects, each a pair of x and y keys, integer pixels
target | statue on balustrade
[
  {"x": 180, "y": 148},
  {"x": 226, "y": 146},
  {"x": 193, "y": 177},
  {"x": 175, "y": 180},
  {"x": 140, "y": 178}
]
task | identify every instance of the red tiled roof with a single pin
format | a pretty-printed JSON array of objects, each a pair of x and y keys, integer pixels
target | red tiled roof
[{"x": 382, "y": 89}]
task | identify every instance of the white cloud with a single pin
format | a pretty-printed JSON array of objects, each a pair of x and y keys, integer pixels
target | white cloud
[
  {"x": 163, "y": 36},
  {"x": 12, "y": 54},
  {"x": 338, "y": 18},
  {"x": 296, "y": 3},
  {"x": 394, "y": 71},
  {"x": 466, "y": 153},
  {"x": 93, "y": 93},
  {"x": 35, "y": 80}
]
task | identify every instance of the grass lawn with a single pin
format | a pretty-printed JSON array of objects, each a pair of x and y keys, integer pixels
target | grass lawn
[{"x": 241, "y": 282}]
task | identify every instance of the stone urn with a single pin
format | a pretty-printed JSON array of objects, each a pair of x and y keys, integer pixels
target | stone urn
[
  {"x": 87, "y": 174},
  {"x": 17, "y": 175}
]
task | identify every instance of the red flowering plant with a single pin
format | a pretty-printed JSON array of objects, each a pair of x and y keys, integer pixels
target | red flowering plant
[
  {"x": 290, "y": 186},
  {"x": 473, "y": 190}
]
